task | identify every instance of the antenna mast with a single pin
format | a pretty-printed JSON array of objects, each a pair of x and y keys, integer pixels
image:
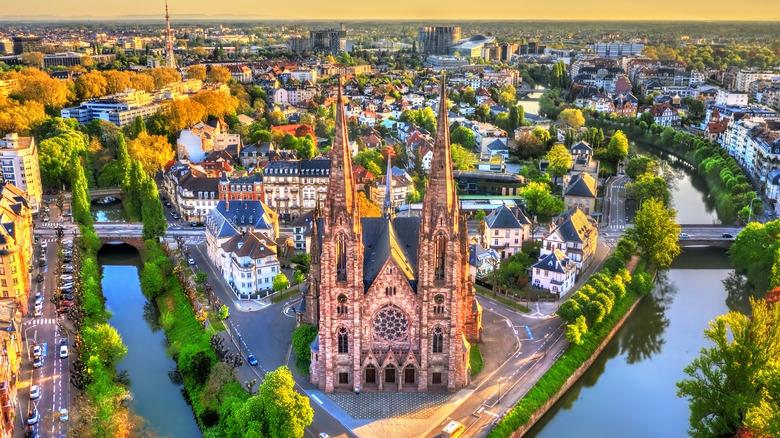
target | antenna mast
[{"x": 169, "y": 59}]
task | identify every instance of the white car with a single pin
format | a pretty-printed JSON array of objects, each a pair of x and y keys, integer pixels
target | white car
[
  {"x": 44, "y": 245},
  {"x": 63, "y": 414},
  {"x": 63, "y": 352},
  {"x": 37, "y": 350},
  {"x": 38, "y": 311},
  {"x": 35, "y": 392},
  {"x": 191, "y": 261},
  {"x": 66, "y": 277}
]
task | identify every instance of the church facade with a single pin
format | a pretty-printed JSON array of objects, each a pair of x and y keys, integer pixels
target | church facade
[{"x": 391, "y": 297}]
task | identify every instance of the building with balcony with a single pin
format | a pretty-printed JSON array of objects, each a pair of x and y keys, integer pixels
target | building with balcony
[
  {"x": 192, "y": 193},
  {"x": 576, "y": 235},
  {"x": 302, "y": 231},
  {"x": 243, "y": 188},
  {"x": 482, "y": 261},
  {"x": 248, "y": 263},
  {"x": 554, "y": 272},
  {"x": 293, "y": 187},
  {"x": 16, "y": 245},
  {"x": 19, "y": 159},
  {"x": 120, "y": 109},
  {"x": 10, "y": 362}
]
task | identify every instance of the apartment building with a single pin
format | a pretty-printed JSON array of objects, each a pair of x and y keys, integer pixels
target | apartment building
[
  {"x": 10, "y": 361},
  {"x": 576, "y": 235},
  {"x": 192, "y": 193},
  {"x": 745, "y": 77},
  {"x": 15, "y": 245},
  {"x": 506, "y": 230},
  {"x": 293, "y": 187},
  {"x": 19, "y": 159}
]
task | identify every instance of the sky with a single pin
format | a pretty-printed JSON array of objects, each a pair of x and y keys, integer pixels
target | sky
[{"x": 410, "y": 9}]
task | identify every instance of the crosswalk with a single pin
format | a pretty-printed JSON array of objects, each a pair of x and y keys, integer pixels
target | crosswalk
[
  {"x": 40, "y": 321},
  {"x": 49, "y": 224}
]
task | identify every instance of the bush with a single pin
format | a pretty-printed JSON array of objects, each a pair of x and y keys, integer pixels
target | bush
[
  {"x": 195, "y": 362},
  {"x": 475, "y": 359},
  {"x": 614, "y": 263},
  {"x": 302, "y": 338}
]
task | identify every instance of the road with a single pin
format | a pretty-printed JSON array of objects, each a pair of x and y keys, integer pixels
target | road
[{"x": 53, "y": 376}]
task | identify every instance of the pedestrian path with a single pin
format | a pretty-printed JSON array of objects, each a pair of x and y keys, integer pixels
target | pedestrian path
[{"x": 40, "y": 321}]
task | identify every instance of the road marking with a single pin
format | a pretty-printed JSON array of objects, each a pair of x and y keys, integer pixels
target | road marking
[
  {"x": 315, "y": 398},
  {"x": 529, "y": 333},
  {"x": 481, "y": 408},
  {"x": 488, "y": 412}
]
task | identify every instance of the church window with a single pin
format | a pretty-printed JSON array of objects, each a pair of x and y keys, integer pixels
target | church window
[
  {"x": 440, "y": 248},
  {"x": 439, "y": 300},
  {"x": 343, "y": 340},
  {"x": 341, "y": 258},
  {"x": 342, "y": 307},
  {"x": 391, "y": 324},
  {"x": 438, "y": 340}
]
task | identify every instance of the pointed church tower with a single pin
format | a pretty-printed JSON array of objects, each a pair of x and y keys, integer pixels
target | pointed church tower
[
  {"x": 387, "y": 207},
  {"x": 440, "y": 257},
  {"x": 340, "y": 261}
]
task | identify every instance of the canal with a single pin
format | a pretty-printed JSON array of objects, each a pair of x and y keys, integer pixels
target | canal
[
  {"x": 155, "y": 397},
  {"x": 112, "y": 211},
  {"x": 630, "y": 389}
]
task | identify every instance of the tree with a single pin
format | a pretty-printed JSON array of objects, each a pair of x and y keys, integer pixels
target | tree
[
  {"x": 179, "y": 114},
  {"x": 655, "y": 233},
  {"x": 464, "y": 137},
  {"x": 195, "y": 362},
  {"x": 90, "y": 85},
  {"x": 281, "y": 282},
  {"x": 366, "y": 207},
  {"x": 571, "y": 118},
  {"x": 104, "y": 342},
  {"x": 507, "y": 96},
  {"x": 539, "y": 200},
  {"x": 560, "y": 160},
  {"x": 219, "y": 74},
  {"x": 640, "y": 166},
  {"x": 163, "y": 76},
  {"x": 216, "y": 104},
  {"x": 34, "y": 59},
  {"x": 35, "y": 85},
  {"x": 648, "y": 186},
  {"x": 151, "y": 281},
  {"x": 116, "y": 81},
  {"x": 302, "y": 338},
  {"x": 736, "y": 383},
  {"x": 299, "y": 277},
  {"x": 462, "y": 158},
  {"x": 286, "y": 411},
  {"x": 153, "y": 151},
  {"x": 196, "y": 71},
  {"x": 618, "y": 146}
]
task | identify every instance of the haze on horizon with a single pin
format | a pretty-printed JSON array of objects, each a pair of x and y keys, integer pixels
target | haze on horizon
[{"x": 673, "y": 10}]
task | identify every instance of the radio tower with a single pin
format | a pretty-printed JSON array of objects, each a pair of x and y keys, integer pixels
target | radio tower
[{"x": 169, "y": 59}]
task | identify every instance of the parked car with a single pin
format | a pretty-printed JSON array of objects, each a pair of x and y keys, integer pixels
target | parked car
[
  {"x": 33, "y": 417},
  {"x": 191, "y": 261},
  {"x": 63, "y": 342},
  {"x": 685, "y": 236},
  {"x": 67, "y": 259},
  {"x": 39, "y": 278},
  {"x": 252, "y": 360},
  {"x": 63, "y": 414},
  {"x": 39, "y": 300},
  {"x": 37, "y": 351},
  {"x": 64, "y": 352},
  {"x": 44, "y": 245},
  {"x": 37, "y": 362},
  {"x": 67, "y": 296},
  {"x": 46, "y": 218},
  {"x": 66, "y": 277},
  {"x": 67, "y": 214},
  {"x": 41, "y": 262},
  {"x": 66, "y": 303},
  {"x": 35, "y": 392},
  {"x": 38, "y": 311},
  {"x": 727, "y": 236}
]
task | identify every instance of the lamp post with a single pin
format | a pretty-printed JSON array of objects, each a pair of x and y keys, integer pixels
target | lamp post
[
  {"x": 750, "y": 217},
  {"x": 27, "y": 341},
  {"x": 499, "y": 387},
  {"x": 546, "y": 336}
]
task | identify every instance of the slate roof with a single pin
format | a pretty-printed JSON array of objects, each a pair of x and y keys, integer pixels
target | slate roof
[
  {"x": 478, "y": 252},
  {"x": 552, "y": 262},
  {"x": 250, "y": 245},
  {"x": 502, "y": 217},
  {"x": 581, "y": 147},
  {"x": 581, "y": 185},
  {"x": 575, "y": 226},
  {"x": 395, "y": 238},
  {"x": 218, "y": 226},
  {"x": 247, "y": 213},
  {"x": 497, "y": 145},
  {"x": 774, "y": 177}
]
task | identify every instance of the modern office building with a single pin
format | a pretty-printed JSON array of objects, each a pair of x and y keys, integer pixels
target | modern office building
[
  {"x": 437, "y": 39},
  {"x": 19, "y": 159}
]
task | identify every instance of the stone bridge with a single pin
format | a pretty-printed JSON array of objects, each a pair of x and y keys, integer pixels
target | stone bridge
[
  {"x": 136, "y": 242},
  {"x": 101, "y": 193}
]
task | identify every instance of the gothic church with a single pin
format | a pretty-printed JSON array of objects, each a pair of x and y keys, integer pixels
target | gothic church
[{"x": 391, "y": 295}]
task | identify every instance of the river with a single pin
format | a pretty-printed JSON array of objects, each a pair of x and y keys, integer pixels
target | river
[
  {"x": 630, "y": 389},
  {"x": 112, "y": 211},
  {"x": 155, "y": 397}
]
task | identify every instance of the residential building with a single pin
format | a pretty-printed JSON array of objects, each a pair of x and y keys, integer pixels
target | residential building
[
  {"x": 580, "y": 192},
  {"x": 617, "y": 49},
  {"x": 402, "y": 185},
  {"x": 732, "y": 99},
  {"x": 472, "y": 182},
  {"x": 16, "y": 249},
  {"x": 10, "y": 362},
  {"x": 665, "y": 114},
  {"x": 482, "y": 261},
  {"x": 302, "y": 231},
  {"x": 241, "y": 188},
  {"x": 249, "y": 264},
  {"x": 19, "y": 159},
  {"x": 554, "y": 272},
  {"x": 293, "y": 187},
  {"x": 191, "y": 192},
  {"x": 745, "y": 77},
  {"x": 506, "y": 230},
  {"x": 329, "y": 41},
  {"x": 576, "y": 235},
  {"x": 241, "y": 73}
]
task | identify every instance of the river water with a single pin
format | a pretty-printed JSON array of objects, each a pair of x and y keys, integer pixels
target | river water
[
  {"x": 630, "y": 389},
  {"x": 108, "y": 212},
  {"x": 155, "y": 397}
]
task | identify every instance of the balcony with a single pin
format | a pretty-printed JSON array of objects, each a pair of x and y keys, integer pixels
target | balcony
[
  {"x": 294, "y": 189},
  {"x": 282, "y": 198}
]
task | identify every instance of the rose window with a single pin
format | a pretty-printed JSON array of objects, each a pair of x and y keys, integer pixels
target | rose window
[{"x": 390, "y": 323}]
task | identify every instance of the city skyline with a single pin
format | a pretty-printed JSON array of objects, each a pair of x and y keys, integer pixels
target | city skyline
[{"x": 698, "y": 10}]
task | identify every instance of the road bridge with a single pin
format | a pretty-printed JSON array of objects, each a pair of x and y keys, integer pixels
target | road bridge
[{"x": 100, "y": 193}]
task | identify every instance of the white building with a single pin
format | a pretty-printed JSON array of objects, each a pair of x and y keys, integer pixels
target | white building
[
  {"x": 197, "y": 142},
  {"x": 726, "y": 98},
  {"x": 745, "y": 77},
  {"x": 249, "y": 264},
  {"x": 120, "y": 109},
  {"x": 554, "y": 272},
  {"x": 19, "y": 159}
]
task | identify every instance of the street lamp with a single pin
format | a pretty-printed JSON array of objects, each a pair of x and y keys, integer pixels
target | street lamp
[
  {"x": 750, "y": 217},
  {"x": 27, "y": 341},
  {"x": 499, "y": 387},
  {"x": 546, "y": 336}
]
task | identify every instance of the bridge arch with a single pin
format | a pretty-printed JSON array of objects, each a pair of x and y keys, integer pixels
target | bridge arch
[{"x": 135, "y": 242}]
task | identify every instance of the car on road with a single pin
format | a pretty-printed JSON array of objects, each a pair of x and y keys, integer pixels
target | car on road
[
  {"x": 727, "y": 236},
  {"x": 67, "y": 259},
  {"x": 39, "y": 278},
  {"x": 46, "y": 218},
  {"x": 32, "y": 432},
  {"x": 63, "y": 414},
  {"x": 191, "y": 261},
  {"x": 37, "y": 362},
  {"x": 33, "y": 417},
  {"x": 42, "y": 262},
  {"x": 64, "y": 352},
  {"x": 685, "y": 236},
  {"x": 35, "y": 392},
  {"x": 46, "y": 209},
  {"x": 252, "y": 360},
  {"x": 63, "y": 342},
  {"x": 44, "y": 245},
  {"x": 39, "y": 300},
  {"x": 67, "y": 214},
  {"x": 38, "y": 311},
  {"x": 68, "y": 285},
  {"x": 323, "y": 435},
  {"x": 37, "y": 351}
]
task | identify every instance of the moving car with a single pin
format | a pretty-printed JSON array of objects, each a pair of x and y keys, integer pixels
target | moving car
[
  {"x": 685, "y": 236},
  {"x": 44, "y": 245},
  {"x": 37, "y": 362},
  {"x": 63, "y": 414},
  {"x": 191, "y": 261},
  {"x": 252, "y": 360},
  {"x": 727, "y": 236},
  {"x": 39, "y": 278},
  {"x": 38, "y": 311},
  {"x": 37, "y": 351},
  {"x": 35, "y": 392}
]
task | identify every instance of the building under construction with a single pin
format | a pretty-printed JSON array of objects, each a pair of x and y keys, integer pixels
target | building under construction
[{"x": 437, "y": 39}]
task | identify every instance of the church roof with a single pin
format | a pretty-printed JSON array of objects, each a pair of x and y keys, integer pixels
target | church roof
[{"x": 395, "y": 238}]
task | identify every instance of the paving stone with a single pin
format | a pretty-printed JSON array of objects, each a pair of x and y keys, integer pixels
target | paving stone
[{"x": 390, "y": 405}]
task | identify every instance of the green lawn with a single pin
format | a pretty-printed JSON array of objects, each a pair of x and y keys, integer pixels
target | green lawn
[
  {"x": 284, "y": 295},
  {"x": 475, "y": 359},
  {"x": 503, "y": 299}
]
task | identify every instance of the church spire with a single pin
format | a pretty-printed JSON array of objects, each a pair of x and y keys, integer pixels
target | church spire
[
  {"x": 388, "y": 205},
  {"x": 441, "y": 193},
  {"x": 342, "y": 193}
]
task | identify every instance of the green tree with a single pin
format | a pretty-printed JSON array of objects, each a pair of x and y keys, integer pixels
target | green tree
[
  {"x": 736, "y": 382},
  {"x": 104, "y": 342},
  {"x": 281, "y": 282},
  {"x": 195, "y": 362},
  {"x": 464, "y": 137},
  {"x": 655, "y": 233},
  {"x": 151, "y": 281},
  {"x": 649, "y": 186},
  {"x": 571, "y": 118},
  {"x": 640, "y": 166},
  {"x": 462, "y": 158},
  {"x": 752, "y": 252},
  {"x": 152, "y": 213},
  {"x": 618, "y": 146},
  {"x": 224, "y": 312},
  {"x": 286, "y": 411},
  {"x": 298, "y": 277},
  {"x": 302, "y": 338},
  {"x": 573, "y": 334},
  {"x": 560, "y": 160}
]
